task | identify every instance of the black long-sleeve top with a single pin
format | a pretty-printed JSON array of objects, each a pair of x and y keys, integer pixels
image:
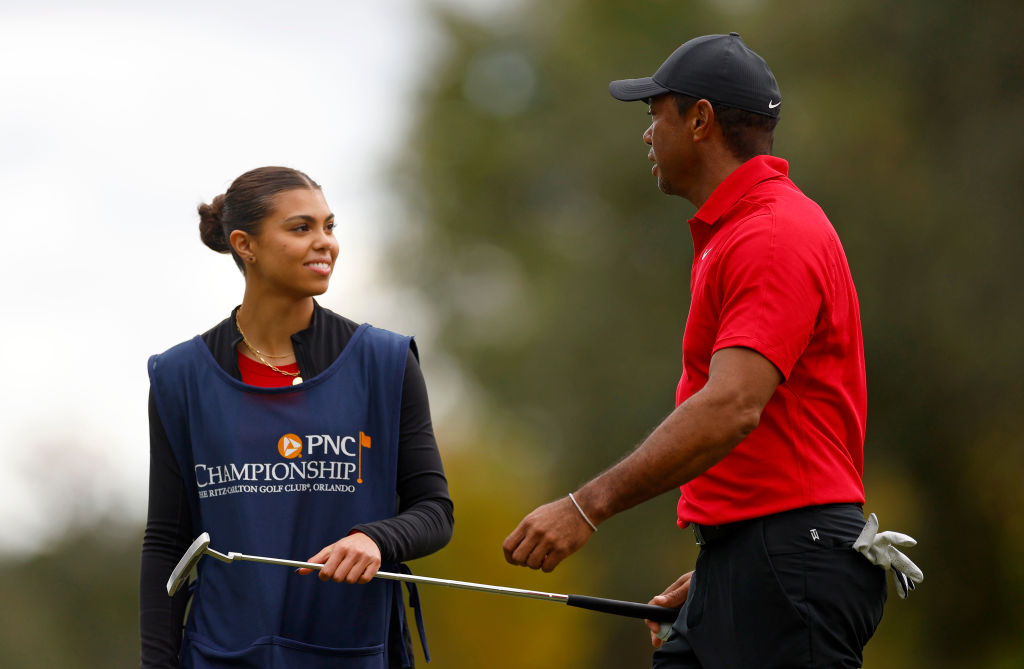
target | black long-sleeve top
[{"x": 425, "y": 512}]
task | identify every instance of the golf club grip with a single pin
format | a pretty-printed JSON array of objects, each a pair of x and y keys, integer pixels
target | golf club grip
[{"x": 658, "y": 614}]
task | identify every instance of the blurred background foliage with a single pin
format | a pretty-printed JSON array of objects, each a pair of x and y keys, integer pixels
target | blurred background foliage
[{"x": 555, "y": 278}]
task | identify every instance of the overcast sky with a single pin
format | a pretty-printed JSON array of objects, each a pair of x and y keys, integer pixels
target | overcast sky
[{"x": 116, "y": 120}]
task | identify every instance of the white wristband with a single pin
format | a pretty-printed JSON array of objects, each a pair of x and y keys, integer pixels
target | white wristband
[{"x": 580, "y": 509}]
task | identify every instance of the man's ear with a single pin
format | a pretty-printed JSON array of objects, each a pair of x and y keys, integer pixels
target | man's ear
[{"x": 703, "y": 119}]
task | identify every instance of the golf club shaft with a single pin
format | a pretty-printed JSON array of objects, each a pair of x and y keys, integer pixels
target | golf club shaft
[
  {"x": 614, "y": 606},
  {"x": 412, "y": 578}
]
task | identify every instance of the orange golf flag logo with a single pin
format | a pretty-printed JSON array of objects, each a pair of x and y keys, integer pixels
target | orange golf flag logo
[
  {"x": 364, "y": 442},
  {"x": 290, "y": 446}
]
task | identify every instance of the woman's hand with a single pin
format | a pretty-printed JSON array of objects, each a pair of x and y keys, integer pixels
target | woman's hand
[
  {"x": 674, "y": 596},
  {"x": 354, "y": 559}
]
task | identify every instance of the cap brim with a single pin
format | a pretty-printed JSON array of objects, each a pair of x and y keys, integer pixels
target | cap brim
[{"x": 630, "y": 90}]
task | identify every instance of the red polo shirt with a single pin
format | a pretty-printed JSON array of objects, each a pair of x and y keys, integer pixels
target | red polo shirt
[{"x": 770, "y": 274}]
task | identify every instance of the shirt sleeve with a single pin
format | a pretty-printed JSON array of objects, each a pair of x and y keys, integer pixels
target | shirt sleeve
[
  {"x": 425, "y": 519},
  {"x": 167, "y": 537},
  {"x": 770, "y": 293}
]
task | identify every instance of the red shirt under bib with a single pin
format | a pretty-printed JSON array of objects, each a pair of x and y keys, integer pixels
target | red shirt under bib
[
  {"x": 257, "y": 374},
  {"x": 770, "y": 274}
]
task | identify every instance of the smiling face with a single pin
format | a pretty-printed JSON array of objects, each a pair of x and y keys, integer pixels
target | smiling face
[{"x": 295, "y": 249}]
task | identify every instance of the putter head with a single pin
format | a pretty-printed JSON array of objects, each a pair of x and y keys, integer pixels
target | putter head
[{"x": 179, "y": 575}]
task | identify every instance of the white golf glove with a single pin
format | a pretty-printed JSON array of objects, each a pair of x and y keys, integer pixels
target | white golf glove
[{"x": 880, "y": 549}]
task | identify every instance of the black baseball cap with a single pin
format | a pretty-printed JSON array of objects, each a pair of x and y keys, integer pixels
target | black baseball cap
[{"x": 718, "y": 68}]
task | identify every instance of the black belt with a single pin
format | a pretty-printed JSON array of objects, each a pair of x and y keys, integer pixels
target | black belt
[{"x": 707, "y": 534}]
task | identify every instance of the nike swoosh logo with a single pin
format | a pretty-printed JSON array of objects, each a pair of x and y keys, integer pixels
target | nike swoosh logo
[{"x": 773, "y": 106}]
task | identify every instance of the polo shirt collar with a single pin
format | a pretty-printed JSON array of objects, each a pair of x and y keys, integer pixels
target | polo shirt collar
[{"x": 746, "y": 176}]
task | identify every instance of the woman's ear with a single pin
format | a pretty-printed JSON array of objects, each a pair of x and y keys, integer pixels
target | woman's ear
[{"x": 243, "y": 245}]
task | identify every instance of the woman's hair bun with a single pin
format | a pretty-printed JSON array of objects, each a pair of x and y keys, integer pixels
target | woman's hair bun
[{"x": 211, "y": 229}]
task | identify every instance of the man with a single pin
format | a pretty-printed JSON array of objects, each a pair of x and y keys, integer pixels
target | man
[{"x": 766, "y": 440}]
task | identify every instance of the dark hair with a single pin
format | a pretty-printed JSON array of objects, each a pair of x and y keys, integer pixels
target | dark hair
[
  {"x": 746, "y": 134},
  {"x": 246, "y": 203}
]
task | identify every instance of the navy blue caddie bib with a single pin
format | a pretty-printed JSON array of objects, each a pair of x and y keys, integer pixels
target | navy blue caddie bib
[{"x": 283, "y": 472}]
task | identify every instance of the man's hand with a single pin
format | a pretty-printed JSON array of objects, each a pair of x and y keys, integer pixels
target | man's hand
[
  {"x": 673, "y": 596},
  {"x": 354, "y": 559},
  {"x": 547, "y": 536}
]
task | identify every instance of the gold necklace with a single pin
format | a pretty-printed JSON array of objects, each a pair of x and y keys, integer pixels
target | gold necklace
[
  {"x": 266, "y": 355},
  {"x": 297, "y": 378}
]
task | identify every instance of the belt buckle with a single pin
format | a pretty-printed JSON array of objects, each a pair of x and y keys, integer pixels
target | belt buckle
[{"x": 698, "y": 535}]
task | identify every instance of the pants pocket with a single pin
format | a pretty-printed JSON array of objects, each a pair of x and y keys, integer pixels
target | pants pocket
[
  {"x": 785, "y": 612},
  {"x": 839, "y": 595},
  {"x": 752, "y": 615}
]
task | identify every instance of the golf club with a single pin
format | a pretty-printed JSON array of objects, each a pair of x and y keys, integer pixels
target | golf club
[{"x": 201, "y": 547}]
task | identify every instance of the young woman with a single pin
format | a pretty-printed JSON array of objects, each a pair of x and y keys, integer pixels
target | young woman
[{"x": 287, "y": 430}]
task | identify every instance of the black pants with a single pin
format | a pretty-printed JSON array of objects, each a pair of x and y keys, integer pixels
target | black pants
[{"x": 785, "y": 590}]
